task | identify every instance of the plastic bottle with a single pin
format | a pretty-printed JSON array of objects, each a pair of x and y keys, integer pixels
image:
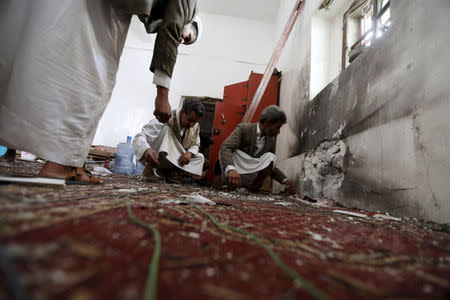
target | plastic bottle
[{"x": 123, "y": 163}]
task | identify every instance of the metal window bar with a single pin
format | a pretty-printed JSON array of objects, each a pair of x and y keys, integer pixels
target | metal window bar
[
  {"x": 361, "y": 39},
  {"x": 383, "y": 10},
  {"x": 374, "y": 20}
]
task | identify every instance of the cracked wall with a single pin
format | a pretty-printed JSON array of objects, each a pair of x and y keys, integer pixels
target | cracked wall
[{"x": 390, "y": 107}]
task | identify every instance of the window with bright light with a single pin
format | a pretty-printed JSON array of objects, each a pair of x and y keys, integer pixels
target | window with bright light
[{"x": 364, "y": 22}]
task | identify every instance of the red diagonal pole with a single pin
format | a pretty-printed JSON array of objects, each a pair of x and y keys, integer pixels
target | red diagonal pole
[{"x": 273, "y": 61}]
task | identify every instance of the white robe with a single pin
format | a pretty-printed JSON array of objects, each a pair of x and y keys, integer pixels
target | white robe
[
  {"x": 58, "y": 65},
  {"x": 160, "y": 137},
  {"x": 248, "y": 166}
]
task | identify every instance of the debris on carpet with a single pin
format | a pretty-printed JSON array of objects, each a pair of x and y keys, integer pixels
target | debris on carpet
[{"x": 79, "y": 242}]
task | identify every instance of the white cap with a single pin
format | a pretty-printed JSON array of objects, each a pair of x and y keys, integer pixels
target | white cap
[{"x": 199, "y": 25}]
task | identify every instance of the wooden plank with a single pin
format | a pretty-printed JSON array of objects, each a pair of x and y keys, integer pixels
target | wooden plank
[{"x": 33, "y": 180}]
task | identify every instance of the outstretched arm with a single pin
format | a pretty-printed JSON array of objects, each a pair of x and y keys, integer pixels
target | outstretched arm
[{"x": 176, "y": 15}]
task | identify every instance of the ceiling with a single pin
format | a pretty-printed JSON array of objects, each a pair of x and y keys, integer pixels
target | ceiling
[
  {"x": 336, "y": 8},
  {"x": 259, "y": 10}
]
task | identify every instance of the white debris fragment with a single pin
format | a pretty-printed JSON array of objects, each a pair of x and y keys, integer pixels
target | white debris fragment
[
  {"x": 318, "y": 201},
  {"x": 133, "y": 190},
  {"x": 60, "y": 277},
  {"x": 196, "y": 198},
  {"x": 210, "y": 272},
  {"x": 316, "y": 236},
  {"x": 387, "y": 217},
  {"x": 283, "y": 203},
  {"x": 172, "y": 201},
  {"x": 244, "y": 276},
  {"x": 127, "y": 191},
  {"x": 327, "y": 229},
  {"x": 60, "y": 209},
  {"x": 100, "y": 170},
  {"x": 350, "y": 213},
  {"x": 193, "y": 235}
]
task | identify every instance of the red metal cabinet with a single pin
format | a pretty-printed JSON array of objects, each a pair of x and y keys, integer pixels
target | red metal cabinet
[{"x": 229, "y": 113}]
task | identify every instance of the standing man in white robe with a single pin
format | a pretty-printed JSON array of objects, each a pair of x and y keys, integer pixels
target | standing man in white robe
[
  {"x": 58, "y": 65},
  {"x": 172, "y": 146}
]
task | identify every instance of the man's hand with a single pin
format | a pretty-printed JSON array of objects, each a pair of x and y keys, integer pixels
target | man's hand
[
  {"x": 185, "y": 158},
  {"x": 163, "y": 111},
  {"x": 234, "y": 179},
  {"x": 151, "y": 157},
  {"x": 290, "y": 187}
]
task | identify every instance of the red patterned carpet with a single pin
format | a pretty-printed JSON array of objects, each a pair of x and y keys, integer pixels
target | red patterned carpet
[{"x": 79, "y": 243}]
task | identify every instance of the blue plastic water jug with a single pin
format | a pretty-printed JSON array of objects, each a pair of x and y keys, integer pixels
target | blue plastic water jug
[
  {"x": 124, "y": 158},
  {"x": 3, "y": 150}
]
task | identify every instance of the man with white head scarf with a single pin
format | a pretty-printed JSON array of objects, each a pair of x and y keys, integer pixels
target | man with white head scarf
[{"x": 172, "y": 147}]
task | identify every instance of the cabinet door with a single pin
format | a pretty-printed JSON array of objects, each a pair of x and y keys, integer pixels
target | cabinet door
[
  {"x": 227, "y": 116},
  {"x": 270, "y": 96}
]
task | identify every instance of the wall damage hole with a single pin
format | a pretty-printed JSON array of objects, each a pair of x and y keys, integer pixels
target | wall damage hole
[{"x": 323, "y": 170}]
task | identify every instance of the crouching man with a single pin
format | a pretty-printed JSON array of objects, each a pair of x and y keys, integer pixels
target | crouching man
[
  {"x": 247, "y": 155},
  {"x": 172, "y": 147}
]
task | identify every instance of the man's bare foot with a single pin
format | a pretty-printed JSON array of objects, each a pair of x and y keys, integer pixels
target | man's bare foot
[{"x": 54, "y": 170}]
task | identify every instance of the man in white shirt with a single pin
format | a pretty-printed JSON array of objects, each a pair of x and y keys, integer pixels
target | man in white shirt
[{"x": 172, "y": 146}]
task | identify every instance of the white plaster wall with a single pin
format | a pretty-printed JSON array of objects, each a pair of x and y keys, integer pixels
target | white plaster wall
[
  {"x": 229, "y": 50},
  {"x": 295, "y": 66}
]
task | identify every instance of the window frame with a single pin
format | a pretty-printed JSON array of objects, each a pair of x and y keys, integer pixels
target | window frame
[{"x": 358, "y": 10}]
